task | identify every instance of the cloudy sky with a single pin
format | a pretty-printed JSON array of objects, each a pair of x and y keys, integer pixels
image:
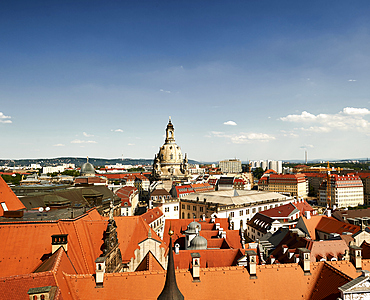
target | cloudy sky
[{"x": 246, "y": 79}]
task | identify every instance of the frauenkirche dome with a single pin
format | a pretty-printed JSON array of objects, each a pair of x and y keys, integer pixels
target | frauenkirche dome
[{"x": 169, "y": 163}]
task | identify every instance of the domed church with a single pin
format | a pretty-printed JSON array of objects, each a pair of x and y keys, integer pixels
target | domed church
[{"x": 169, "y": 163}]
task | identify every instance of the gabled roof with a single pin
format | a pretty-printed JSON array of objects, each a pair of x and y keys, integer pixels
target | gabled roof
[
  {"x": 317, "y": 248},
  {"x": 126, "y": 191},
  {"x": 149, "y": 263},
  {"x": 152, "y": 214},
  {"x": 327, "y": 225},
  {"x": 85, "y": 240},
  {"x": 283, "y": 211},
  {"x": 160, "y": 192},
  {"x": 11, "y": 200}
]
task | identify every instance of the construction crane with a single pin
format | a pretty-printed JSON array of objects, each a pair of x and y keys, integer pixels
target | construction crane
[{"x": 328, "y": 189}]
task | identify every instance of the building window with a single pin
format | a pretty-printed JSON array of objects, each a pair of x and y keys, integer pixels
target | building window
[
  {"x": 260, "y": 208},
  {"x": 183, "y": 206},
  {"x": 176, "y": 208},
  {"x": 183, "y": 215},
  {"x": 240, "y": 213},
  {"x": 188, "y": 207},
  {"x": 253, "y": 210},
  {"x": 247, "y": 211},
  {"x": 232, "y": 214},
  {"x": 194, "y": 208},
  {"x": 201, "y": 209},
  {"x": 166, "y": 209},
  {"x": 188, "y": 215}
]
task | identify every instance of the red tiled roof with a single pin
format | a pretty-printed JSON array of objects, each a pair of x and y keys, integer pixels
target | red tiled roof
[
  {"x": 16, "y": 287},
  {"x": 11, "y": 200},
  {"x": 151, "y": 215},
  {"x": 283, "y": 211},
  {"x": 220, "y": 283},
  {"x": 125, "y": 192}
]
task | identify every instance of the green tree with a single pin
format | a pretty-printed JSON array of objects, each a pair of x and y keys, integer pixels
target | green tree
[{"x": 258, "y": 172}]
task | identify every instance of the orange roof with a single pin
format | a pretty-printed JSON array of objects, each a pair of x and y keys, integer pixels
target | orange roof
[
  {"x": 220, "y": 283},
  {"x": 152, "y": 214},
  {"x": 209, "y": 258},
  {"x": 11, "y": 200},
  {"x": 178, "y": 226},
  {"x": 149, "y": 263},
  {"x": 85, "y": 238},
  {"x": 131, "y": 231}
]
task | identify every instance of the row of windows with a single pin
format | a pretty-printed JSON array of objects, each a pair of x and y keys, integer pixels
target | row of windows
[
  {"x": 167, "y": 209},
  {"x": 201, "y": 208},
  {"x": 156, "y": 223},
  {"x": 254, "y": 210}
]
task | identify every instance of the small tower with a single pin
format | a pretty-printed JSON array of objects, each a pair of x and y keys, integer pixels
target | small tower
[
  {"x": 170, "y": 132},
  {"x": 170, "y": 289},
  {"x": 111, "y": 252}
]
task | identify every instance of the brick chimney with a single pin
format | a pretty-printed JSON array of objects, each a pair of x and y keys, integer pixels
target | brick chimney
[
  {"x": 196, "y": 266},
  {"x": 57, "y": 241},
  {"x": 305, "y": 260},
  {"x": 100, "y": 270},
  {"x": 355, "y": 257}
]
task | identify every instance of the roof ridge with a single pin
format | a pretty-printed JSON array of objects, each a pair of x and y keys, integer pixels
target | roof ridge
[
  {"x": 339, "y": 272},
  {"x": 79, "y": 242}
]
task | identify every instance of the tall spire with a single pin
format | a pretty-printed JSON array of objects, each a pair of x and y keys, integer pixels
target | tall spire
[{"x": 170, "y": 290}]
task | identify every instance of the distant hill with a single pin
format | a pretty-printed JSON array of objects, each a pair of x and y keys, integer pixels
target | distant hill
[{"x": 79, "y": 161}]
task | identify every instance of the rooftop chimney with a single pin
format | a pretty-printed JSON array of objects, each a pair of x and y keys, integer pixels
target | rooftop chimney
[
  {"x": 305, "y": 260},
  {"x": 355, "y": 257},
  {"x": 307, "y": 214},
  {"x": 196, "y": 266},
  {"x": 252, "y": 264},
  {"x": 177, "y": 248},
  {"x": 57, "y": 241},
  {"x": 100, "y": 270}
]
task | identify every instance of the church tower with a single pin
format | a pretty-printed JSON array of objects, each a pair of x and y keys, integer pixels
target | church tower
[{"x": 168, "y": 163}]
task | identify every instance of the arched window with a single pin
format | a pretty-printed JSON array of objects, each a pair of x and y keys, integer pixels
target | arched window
[
  {"x": 188, "y": 215},
  {"x": 42, "y": 297},
  {"x": 183, "y": 215},
  {"x": 171, "y": 156}
]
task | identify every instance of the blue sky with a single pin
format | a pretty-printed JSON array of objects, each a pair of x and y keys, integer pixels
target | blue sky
[{"x": 245, "y": 79}]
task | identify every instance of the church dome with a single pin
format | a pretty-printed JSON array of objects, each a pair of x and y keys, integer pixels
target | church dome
[
  {"x": 87, "y": 169},
  {"x": 198, "y": 243},
  {"x": 192, "y": 227},
  {"x": 169, "y": 163},
  {"x": 170, "y": 153}
]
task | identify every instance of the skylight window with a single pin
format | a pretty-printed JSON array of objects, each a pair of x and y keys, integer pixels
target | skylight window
[{"x": 3, "y": 205}]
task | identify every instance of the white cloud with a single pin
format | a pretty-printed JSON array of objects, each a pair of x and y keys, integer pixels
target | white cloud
[
  {"x": 87, "y": 135},
  {"x": 163, "y": 91},
  {"x": 82, "y": 142},
  {"x": 232, "y": 123},
  {"x": 306, "y": 146},
  {"x": 355, "y": 111},
  {"x": 129, "y": 144},
  {"x": 117, "y": 130},
  {"x": 242, "y": 137},
  {"x": 350, "y": 118},
  {"x": 4, "y": 119},
  {"x": 59, "y": 145},
  {"x": 352, "y": 80},
  {"x": 317, "y": 129}
]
